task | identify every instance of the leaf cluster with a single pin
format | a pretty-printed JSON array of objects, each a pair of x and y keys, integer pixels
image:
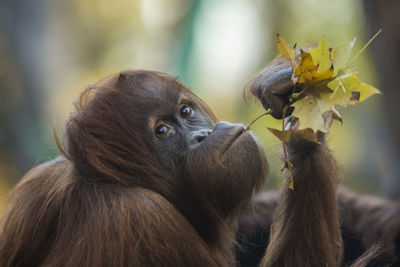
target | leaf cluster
[{"x": 322, "y": 81}]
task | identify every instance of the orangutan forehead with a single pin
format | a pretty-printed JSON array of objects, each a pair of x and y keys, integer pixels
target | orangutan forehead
[
  {"x": 150, "y": 92},
  {"x": 146, "y": 85},
  {"x": 159, "y": 88}
]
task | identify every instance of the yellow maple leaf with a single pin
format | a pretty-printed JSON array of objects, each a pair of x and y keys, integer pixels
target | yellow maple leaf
[
  {"x": 309, "y": 111},
  {"x": 338, "y": 97},
  {"x": 306, "y": 68},
  {"x": 321, "y": 56},
  {"x": 366, "y": 91},
  {"x": 349, "y": 90},
  {"x": 312, "y": 81},
  {"x": 284, "y": 136},
  {"x": 341, "y": 54},
  {"x": 286, "y": 50}
]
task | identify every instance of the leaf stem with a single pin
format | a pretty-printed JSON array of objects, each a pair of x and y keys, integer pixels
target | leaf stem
[
  {"x": 268, "y": 112},
  {"x": 362, "y": 49},
  {"x": 296, "y": 96},
  {"x": 287, "y": 161}
]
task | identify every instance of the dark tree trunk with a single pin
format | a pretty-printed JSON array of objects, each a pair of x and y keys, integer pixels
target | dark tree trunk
[{"x": 386, "y": 55}]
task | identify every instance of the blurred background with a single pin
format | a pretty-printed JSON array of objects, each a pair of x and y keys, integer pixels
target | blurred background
[{"x": 51, "y": 50}]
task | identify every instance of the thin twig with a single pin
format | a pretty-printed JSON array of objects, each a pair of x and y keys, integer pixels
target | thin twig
[
  {"x": 268, "y": 112},
  {"x": 287, "y": 162},
  {"x": 362, "y": 49}
]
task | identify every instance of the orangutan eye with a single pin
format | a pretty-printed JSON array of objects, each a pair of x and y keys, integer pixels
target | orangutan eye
[
  {"x": 186, "y": 112},
  {"x": 162, "y": 130}
]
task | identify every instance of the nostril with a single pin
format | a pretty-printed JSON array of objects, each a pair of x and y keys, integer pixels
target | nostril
[{"x": 200, "y": 138}]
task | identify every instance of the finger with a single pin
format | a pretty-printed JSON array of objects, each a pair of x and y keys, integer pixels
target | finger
[
  {"x": 277, "y": 105},
  {"x": 277, "y": 113},
  {"x": 263, "y": 80},
  {"x": 280, "y": 82}
]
